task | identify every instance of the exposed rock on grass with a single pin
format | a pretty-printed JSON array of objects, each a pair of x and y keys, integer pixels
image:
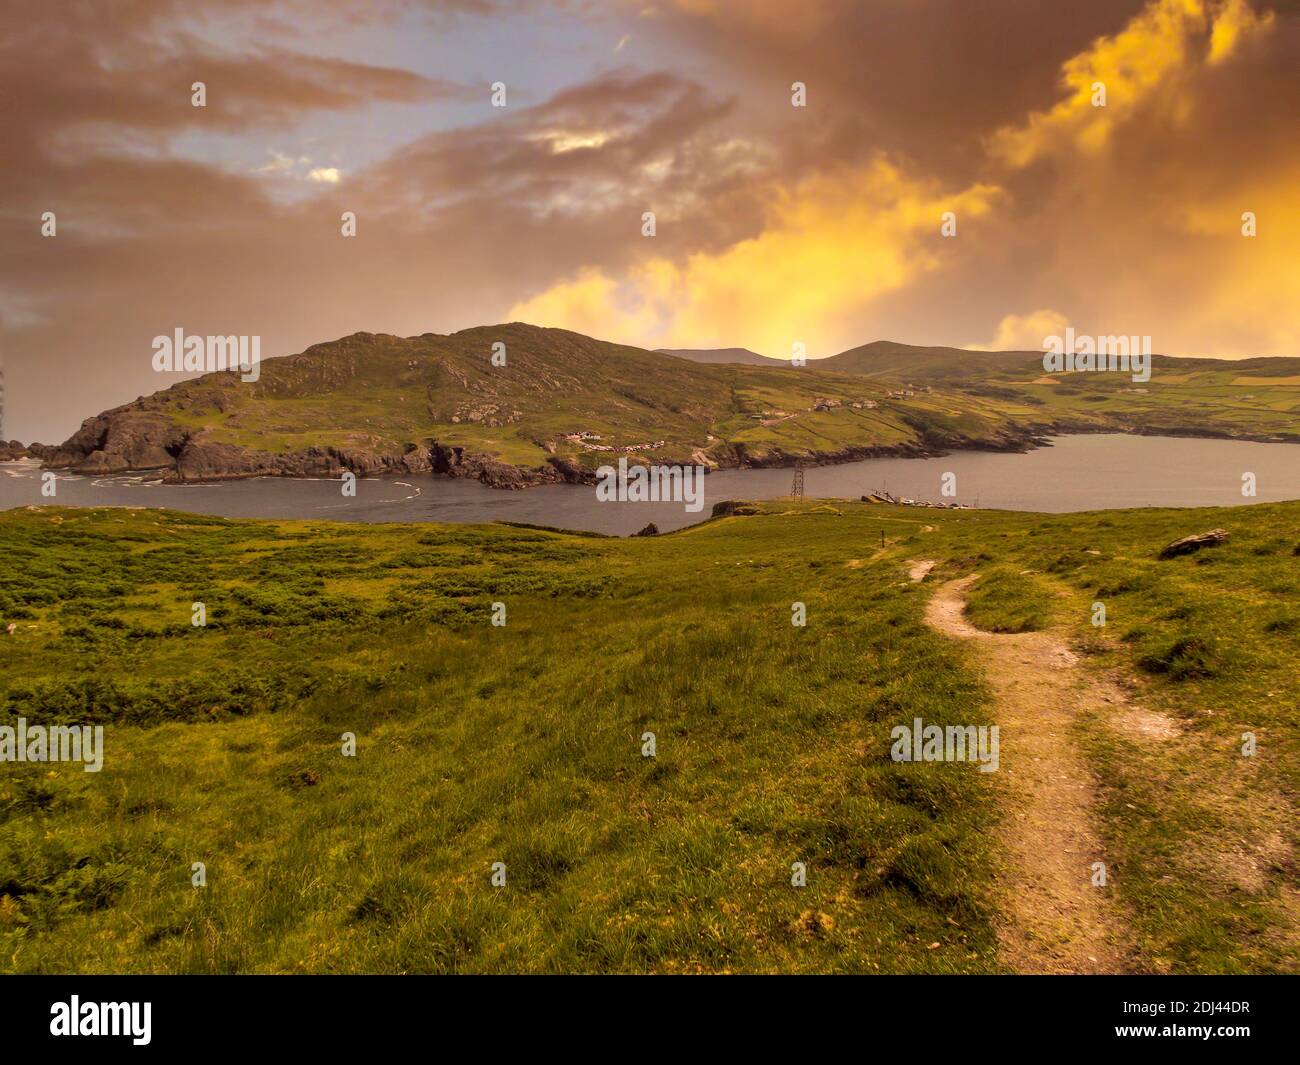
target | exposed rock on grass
[{"x": 1190, "y": 544}]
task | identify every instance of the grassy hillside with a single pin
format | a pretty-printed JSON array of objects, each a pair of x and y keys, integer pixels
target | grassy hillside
[
  {"x": 1258, "y": 398},
  {"x": 522, "y": 744},
  {"x": 373, "y": 398}
]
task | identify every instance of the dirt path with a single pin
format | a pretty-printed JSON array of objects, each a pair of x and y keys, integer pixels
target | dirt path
[
  {"x": 1056, "y": 920},
  {"x": 918, "y": 570}
]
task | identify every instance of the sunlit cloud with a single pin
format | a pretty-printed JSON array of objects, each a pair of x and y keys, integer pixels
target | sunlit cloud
[
  {"x": 1145, "y": 64},
  {"x": 561, "y": 141},
  {"x": 1025, "y": 332},
  {"x": 830, "y": 246}
]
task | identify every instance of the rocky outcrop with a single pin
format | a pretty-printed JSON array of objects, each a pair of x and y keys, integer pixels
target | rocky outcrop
[
  {"x": 119, "y": 440},
  {"x": 572, "y": 472},
  {"x": 1189, "y": 544},
  {"x": 130, "y": 439},
  {"x": 937, "y": 438},
  {"x": 732, "y": 506},
  {"x": 204, "y": 460},
  {"x": 200, "y": 460},
  {"x": 650, "y": 530},
  {"x": 11, "y": 450},
  {"x": 455, "y": 461},
  {"x": 746, "y": 457}
]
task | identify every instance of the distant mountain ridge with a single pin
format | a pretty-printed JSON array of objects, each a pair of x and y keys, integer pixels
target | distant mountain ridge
[
  {"x": 564, "y": 404},
  {"x": 938, "y": 363},
  {"x": 713, "y": 356}
]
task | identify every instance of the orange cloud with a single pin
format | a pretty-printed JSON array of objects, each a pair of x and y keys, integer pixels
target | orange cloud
[
  {"x": 1149, "y": 60},
  {"x": 1026, "y": 332},
  {"x": 840, "y": 255},
  {"x": 829, "y": 248},
  {"x": 1138, "y": 192}
]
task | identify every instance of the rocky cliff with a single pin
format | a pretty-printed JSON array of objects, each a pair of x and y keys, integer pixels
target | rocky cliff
[{"x": 128, "y": 439}]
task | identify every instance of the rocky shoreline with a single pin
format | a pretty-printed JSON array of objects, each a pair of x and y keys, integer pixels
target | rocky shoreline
[
  {"x": 104, "y": 446},
  {"x": 129, "y": 440}
]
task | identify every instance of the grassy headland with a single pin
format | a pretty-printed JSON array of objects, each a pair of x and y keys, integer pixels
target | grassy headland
[{"x": 374, "y": 402}]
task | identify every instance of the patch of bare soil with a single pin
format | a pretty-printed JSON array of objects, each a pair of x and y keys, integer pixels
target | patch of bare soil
[{"x": 918, "y": 570}]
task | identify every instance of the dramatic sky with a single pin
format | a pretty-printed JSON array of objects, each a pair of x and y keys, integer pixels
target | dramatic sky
[{"x": 776, "y": 224}]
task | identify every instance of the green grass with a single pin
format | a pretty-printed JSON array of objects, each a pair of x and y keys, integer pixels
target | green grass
[
  {"x": 479, "y": 744},
  {"x": 1005, "y": 599},
  {"x": 522, "y": 744}
]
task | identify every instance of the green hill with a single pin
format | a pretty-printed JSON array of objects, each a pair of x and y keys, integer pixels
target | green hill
[
  {"x": 1251, "y": 399},
  {"x": 563, "y": 404},
  {"x": 373, "y": 402}
]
